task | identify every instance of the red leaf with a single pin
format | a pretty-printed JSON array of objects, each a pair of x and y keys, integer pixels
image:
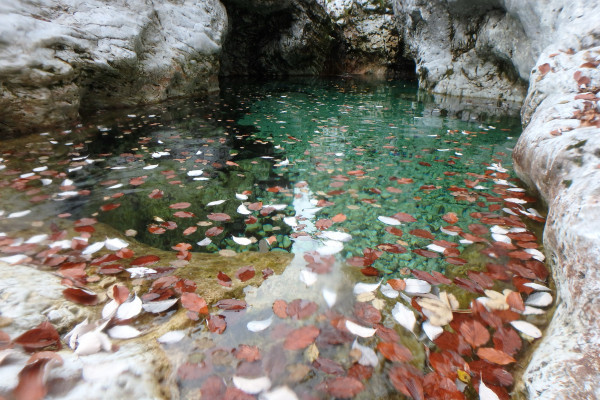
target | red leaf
[
  {"x": 422, "y": 233},
  {"x": 404, "y": 217},
  {"x": 44, "y": 335},
  {"x": 407, "y": 380},
  {"x": 300, "y": 309},
  {"x": 145, "y": 261},
  {"x": 191, "y": 371},
  {"x": 514, "y": 300},
  {"x": 223, "y": 279},
  {"x": 32, "y": 384},
  {"x": 193, "y": 302},
  {"x": 301, "y": 338},
  {"x": 85, "y": 222},
  {"x": 255, "y": 206},
  {"x": 247, "y": 353},
  {"x": 137, "y": 181},
  {"x": 426, "y": 253},
  {"x": 323, "y": 224},
  {"x": 280, "y": 308},
  {"x": 450, "y": 218},
  {"x": 394, "y": 351},
  {"x": 80, "y": 296},
  {"x": 214, "y": 231},
  {"x": 245, "y": 273},
  {"x": 216, "y": 323},
  {"x": 231, "y": 304},
  {"x": 394, "y": 231},
  {"x": 156, "y": 230},
  {"x": 343, "y": 387},
  {"x": 366, "y": 313},
  {"x": 397, "y": 284},
  {"x": 183, "y": 214},
  {"x": 110, "y": 269},
  {"x": 544, "y": 68},
  {"x": 156, "y": 194},
  {"x": 190, "y": 230},
  {"x": 213, "y": 388},
  {"x": 110, "y": 206},
  {"x": 124, "y": 253},
  {"x": 494, "y": 356},
  {"x": 179, "y": 206},
  {"x": 120, "y": 293},
  {"x": 338, "y": 218},
  {"x": 474, "y": 333},
  {"x": 218, "y": 217},
  {"x": 328, "y": 366},
  {"x": 491, "y": 373},
  {"x": 507, "y": 340},
  {"x": 392, "y": 248}
]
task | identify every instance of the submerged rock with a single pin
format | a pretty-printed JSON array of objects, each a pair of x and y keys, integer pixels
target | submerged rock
[{"x": 57, "y": 56}]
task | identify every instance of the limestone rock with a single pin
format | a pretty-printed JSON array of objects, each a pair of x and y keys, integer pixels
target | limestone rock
[
  {"x": 29, "y": 296},
  {"x": 58, "y": 55}
]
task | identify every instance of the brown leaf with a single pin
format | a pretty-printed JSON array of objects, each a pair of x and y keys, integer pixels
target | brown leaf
[
  {"x": 245, "y": 273},
  {"x": 42, "y": 336},
  {"x": 145, "y": 261},
  {"x": 218, "y": 217},
  {"x": 301, "y": 338},
  {"x": 193, "y": 302},
  {"x": 494, "y": 356},
  {"x": 31, "y": 381},
  {"x": 343, "y": 387},
  {"x": 214, "y": 231},
  {"x": 474, "y": 333},
  {"x": 300, "y": 309},
  {"x": 180, "y": 206},
  {"x": 280, "y": 308},
  {"x": 223, "y": 279},
  {"x": 394, "y": 351},
  {"x": 81, "y": 296},
  {"x": 404, "y": 217},
  {"x": 247, "y": 353},
  {"x": 544, "y": 69},
  {"x": 216, "y": 323},
  {"x": 507, "y": 340},
  {"x": 231, "y": 304},
  {"x": 407, "y": 380}
]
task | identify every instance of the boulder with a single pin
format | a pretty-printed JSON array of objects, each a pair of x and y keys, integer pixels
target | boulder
[{"x": 57, "y": 56}]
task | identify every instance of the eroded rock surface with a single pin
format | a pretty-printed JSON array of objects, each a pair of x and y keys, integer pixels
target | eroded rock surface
[
  {"x": 59, "y": 55},
  {"x": 559, "y": 155}
]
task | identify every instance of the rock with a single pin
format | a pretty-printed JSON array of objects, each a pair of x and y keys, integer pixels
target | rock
[
  {"x": 59, "y": 55},
  {"x": 558, "y": 154},
  {"x": 30, "y": 296},
  {"x": 268, "y": 37},
  {"x": 372, "y": 42}
]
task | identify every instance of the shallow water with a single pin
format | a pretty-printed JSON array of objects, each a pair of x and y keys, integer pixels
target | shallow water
[{"x": 361, "y": 181}]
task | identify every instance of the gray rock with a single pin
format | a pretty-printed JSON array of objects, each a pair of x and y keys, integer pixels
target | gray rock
[
  {"x": 58, "y": 55},
  {"x": 29, "y": 296}
]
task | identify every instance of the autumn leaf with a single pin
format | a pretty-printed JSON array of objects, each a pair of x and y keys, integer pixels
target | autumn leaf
[
  {"x": 343, "y": 387},
  {"x": 474, "y": 333},
  {"x": 245, "y": 273},
  {"x": 195, "y": 303},
  {"x": 394, "y": 351},
  {"x": 494, "y": 356},
  {"x": 280, "y": 308},
  {"x": 218, "y": 217},
  {"x": 301, "y": 338},
  {"x": 42, "y": 336},
  {"x": 81, "y": 296},
  {"x": 439, "y": 310},
  {"x": 180, "y": 206}
]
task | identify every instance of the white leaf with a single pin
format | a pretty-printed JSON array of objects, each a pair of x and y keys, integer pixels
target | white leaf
[
  {"x": 171, "y": 337},
  {"x": 365, "y": 287},
  {"x": 130, "y": 308},
  {"x": 330, "y": 247},
  {"x": 37, "y": 239},
  {"x": 501, "y": 238},
  {"x": 241, "y": 196},
  {"x": 139, "y": 272},
  {"x": 242, "y": 241},
  {"x": 159, "y": 306},
  {"x": 448, "y": 232},
  {"x": 242, "y": 209},
  {"x": 216, "y": 202},
  {"x": 339, "y": 236},
  {"x": 123, "y": 332},
  {"x": 252, "y": 385},
  {"x": 404, "y": 316},
  {"x": 204, "y": 242},
  {"x": 417, "y": 286},
  {"x": 261, "y": 325},
  {"x": 499, "y": 230},
  {"x": 279, "y": 393},
  {"x": 485, "y": 393},
  {"x": 359, "y": 330},
  {"x": 79, "y": 329},
  {"x": 195, "y": 172},
  {"x": 389, "y": 220},
  {"x": 110, "y": 309},
  {"x": 527, "y": 328},
  {"x": 431, "y": 330},
  {"x": 115, "y": 244},
  {"x": 40, "y": 169},
  {"x": 152, "y": 166},
  {"x": 330, "y": 297},
  {"x": 92, "y": 248},
  {"x": 533, "y": 311},
  {"x": 367, "y": 356},
  {"x": 436, "y": 248},
  {"x": 537, "y": 287},
  {"x": 18, "y": 214},
  {"x": 538, "y": 255},
  {"x": 118, "y": 185},
  {"x": 308, "y": 277},
  {"x": 6, "y": 353},
  {"x": 539, "y": 299},
  {"x": 17, "y": 258},
  {"x": 277, "y": 207},
  {"x": 291, "y": 221},
  {"x": 92, "y": 342},
  {"x": 388, "y": 291}
]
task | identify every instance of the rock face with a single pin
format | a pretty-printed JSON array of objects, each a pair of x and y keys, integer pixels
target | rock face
[
  {"x": 58, "y": 55},
  {"x": 372, "y": 44},
  {"x": 291, "y": 37}
]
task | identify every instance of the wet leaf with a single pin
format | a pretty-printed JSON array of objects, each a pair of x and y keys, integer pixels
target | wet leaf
[
  {"x": 216, "y": 323},
  {"x": 280, "y": 308},
  {"x": 474, "y": 333},
  {"x": 214, "y": 231},
  {"x": 145, "y": 261},
  {"x": 407, "y": 380},
  {"x": 40, "y": 337},
  {"x": 343, "y": 387},
  {"x": 494, "y": 356},
  {"x": 245, "y": 273},
  {"x": 247, "y": 353},
  {"x": 180, "y": 206},
  {"x": 195, "y": 303},
  {"x": 231, "y": 304},
  {"x": 218, "y": 217},
  {"x": 359, "y": 330},
  {"x": 223, "y": 279},
  {"x": 301, "y": 338},
  {"x": 394, "y": 352},
  {"x": 252, "y": 385}
]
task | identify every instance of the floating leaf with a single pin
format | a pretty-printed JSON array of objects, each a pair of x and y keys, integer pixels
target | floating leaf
[
  {"x": 42, "y": 336},
  {"x": 359, "y": 330},
  {"x": 394, "y": 352},
  {"x": 494, "y": 356},
  {"x": 242, "y": 241},
  {"x": 159, "y": 306},
  {"x": 343, "y": 387},
  {"x": 195, "y": 303},
  {"x": 231, "y": 304},
  {"x": 171, "y": 337},
  {"x": 123, "y": 332},
  {"x": 144, "y": 261},
  {"x": 527, "y": 328},
  {"x": 474, "y": 333},
  {"x": 404, "y": 316},
  {"x": 485, "y": 393},
  {"x": 180, "y": 206},
  {"x": 389, "y": 220},
  {"x": 259, "y": 326},
  {"x": 218, "y": 217},
  {"x": 130, "y": 309},
  {"x": 539, "y": 299},
  {"x": 81, "y": 296},
  {"x": 301, "y": 338},
  {"x": 223, "y": 279}
]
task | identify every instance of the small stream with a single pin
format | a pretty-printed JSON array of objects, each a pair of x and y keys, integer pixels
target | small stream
[{"x": 349, "y": 239}]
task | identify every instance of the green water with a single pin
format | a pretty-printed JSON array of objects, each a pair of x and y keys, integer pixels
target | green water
[{"x": 308, "y": 160}]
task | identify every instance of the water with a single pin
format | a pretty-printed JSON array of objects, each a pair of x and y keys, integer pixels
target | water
[{"x": 318, "y": 185}]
